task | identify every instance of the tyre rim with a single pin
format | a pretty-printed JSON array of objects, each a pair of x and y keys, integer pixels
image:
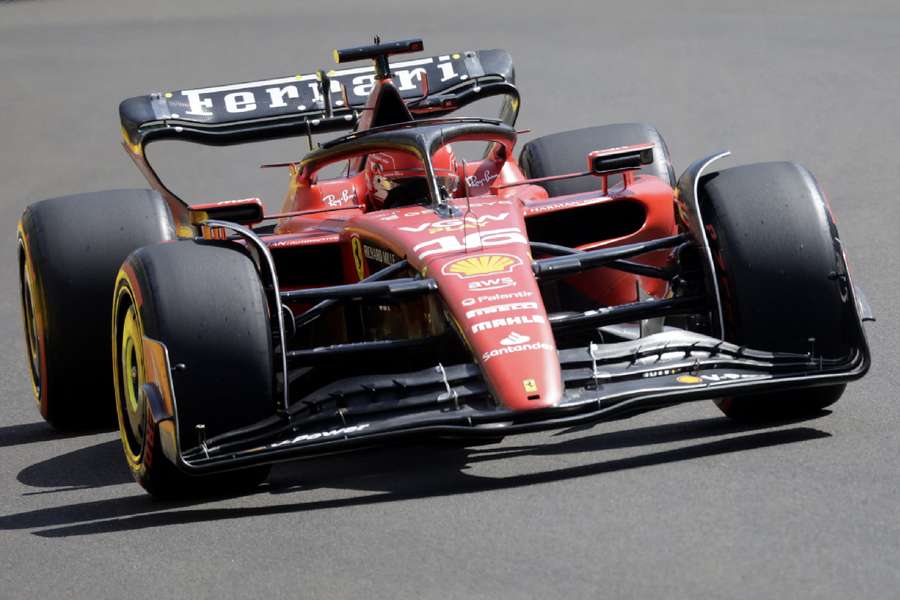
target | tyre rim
[
  {"x": 131, "y": 379},
  {"x": 32, "y": 330}
]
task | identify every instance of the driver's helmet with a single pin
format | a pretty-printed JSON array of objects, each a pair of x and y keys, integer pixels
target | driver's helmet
[{"x": 398, "y": 178}]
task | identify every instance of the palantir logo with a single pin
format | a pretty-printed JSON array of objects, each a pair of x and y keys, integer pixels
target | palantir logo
[{"x": 514, "y": 338}]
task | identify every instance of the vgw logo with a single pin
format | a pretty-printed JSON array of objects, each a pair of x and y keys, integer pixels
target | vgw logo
[{"x": 447, "y": 225}]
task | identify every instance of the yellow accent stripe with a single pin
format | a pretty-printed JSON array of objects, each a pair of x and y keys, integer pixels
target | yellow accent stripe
[
  {"x": 37, "y": 310},
  {"x": 123, "y": 289},
  {"x": 136, "y": 149}
]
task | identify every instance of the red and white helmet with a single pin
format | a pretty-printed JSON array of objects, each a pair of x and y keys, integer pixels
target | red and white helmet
[{"x": 398, "y": 178}]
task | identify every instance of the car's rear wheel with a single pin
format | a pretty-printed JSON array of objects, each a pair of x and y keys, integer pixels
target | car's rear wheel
[
  {"x": 781, "y": 275},
  {"x": 566, "y": 152},
  {"x": 70, "y": 249},
  {"x": 205, "y": 303}
]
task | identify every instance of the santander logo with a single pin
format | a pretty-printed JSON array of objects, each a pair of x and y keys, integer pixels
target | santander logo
[
  {"x": 514, "y": 338},
  {"x": 514, "y": 343}
]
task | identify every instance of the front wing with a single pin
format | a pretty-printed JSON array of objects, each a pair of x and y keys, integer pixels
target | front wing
[{"x": 602, "y": 383}]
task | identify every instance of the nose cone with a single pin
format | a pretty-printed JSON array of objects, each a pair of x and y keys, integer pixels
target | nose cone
[
  {"x": 480, "y": 261},
  {"x": 495, "y": 300}
]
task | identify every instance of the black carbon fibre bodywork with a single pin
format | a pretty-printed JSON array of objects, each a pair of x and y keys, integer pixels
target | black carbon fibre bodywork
[{"x": 603, "y": 382}]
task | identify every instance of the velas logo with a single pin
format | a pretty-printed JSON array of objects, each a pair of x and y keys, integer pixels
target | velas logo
[
  {"x": 515, "y": 338},
  {"x": 484, "y": 264}
]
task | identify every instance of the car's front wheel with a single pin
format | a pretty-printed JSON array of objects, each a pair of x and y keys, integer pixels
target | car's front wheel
[
  {"x": 782, "y": 275},
  {"x": 204, "y": 302}
]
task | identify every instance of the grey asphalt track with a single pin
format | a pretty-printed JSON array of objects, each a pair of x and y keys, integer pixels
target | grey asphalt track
[{"x": 679, "y": 503}]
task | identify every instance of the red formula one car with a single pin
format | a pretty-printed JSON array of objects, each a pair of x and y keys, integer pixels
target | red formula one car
[{"x": 420, "y": 294}]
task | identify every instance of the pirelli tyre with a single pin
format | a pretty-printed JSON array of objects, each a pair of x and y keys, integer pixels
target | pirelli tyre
[
  {"x": 566, "y": 152},
  {"x": 70, "y": 249},
  {"x": 779, "y": 266},
  {"x": 204, "y": 302}
]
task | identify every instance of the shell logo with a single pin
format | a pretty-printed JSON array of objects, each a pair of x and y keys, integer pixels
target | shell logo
[{"x": 483, "y": 264}]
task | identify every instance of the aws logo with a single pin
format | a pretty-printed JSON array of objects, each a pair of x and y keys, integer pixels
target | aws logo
[{"x": 491, "y": 283}]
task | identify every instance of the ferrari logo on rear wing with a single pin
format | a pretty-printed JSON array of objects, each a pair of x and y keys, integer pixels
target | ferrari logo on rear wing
[
  {"x": 304, "y": 92},
  {"x": 298, "y": 104}
]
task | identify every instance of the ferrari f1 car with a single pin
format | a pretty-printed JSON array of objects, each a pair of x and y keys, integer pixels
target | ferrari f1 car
[{"x": 422, "y": 294}]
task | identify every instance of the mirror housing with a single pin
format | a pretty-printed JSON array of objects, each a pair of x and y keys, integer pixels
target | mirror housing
[
  {"x": 247, "y": 211},
  {"x": 622, "y": 158}
]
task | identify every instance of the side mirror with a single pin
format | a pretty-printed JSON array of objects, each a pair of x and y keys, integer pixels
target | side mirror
[
  {"x": 622, "y": 158},
  {"x": 245, "y": 212}
]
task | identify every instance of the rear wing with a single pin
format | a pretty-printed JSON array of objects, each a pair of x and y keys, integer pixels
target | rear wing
[{"x": 309, "y": 104}]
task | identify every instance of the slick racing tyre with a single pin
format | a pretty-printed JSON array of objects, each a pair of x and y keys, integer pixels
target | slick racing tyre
[
  {"x": 204, "y": 302},
  {"x": 566, "y": 152},
  {"x": 775, "y": 247},
  {"x": 70, "y": 249}
]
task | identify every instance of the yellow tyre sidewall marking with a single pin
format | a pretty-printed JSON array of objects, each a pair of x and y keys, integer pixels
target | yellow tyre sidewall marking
[
  {"x": 131, "y": 336},
  {"x": 132, "y": 360},
  {"x": 35, "y": 329}
]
